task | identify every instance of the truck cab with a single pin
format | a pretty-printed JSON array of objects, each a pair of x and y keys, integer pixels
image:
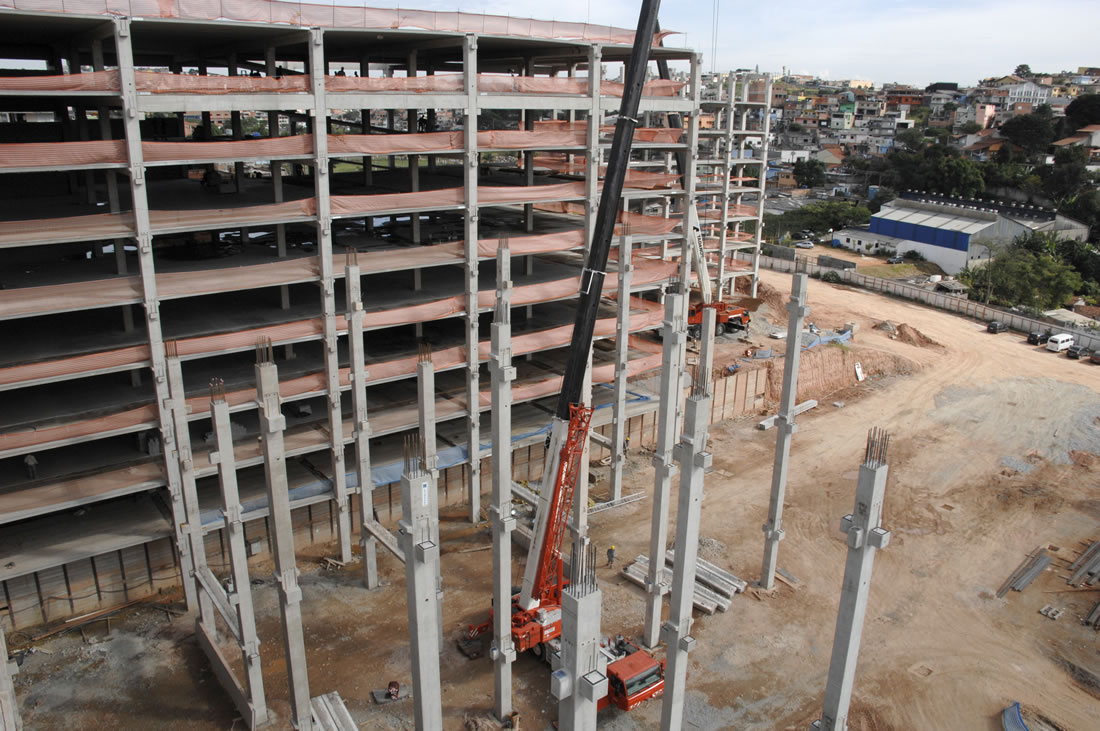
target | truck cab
[
  {"x": 633, "y": 678},
  {"x": 726, "y": 317}
]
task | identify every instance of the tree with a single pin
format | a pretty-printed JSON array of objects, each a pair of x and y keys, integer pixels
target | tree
[
  {"x": 809, "y": 173},
  {"x": 794, "y": 127},
  {"x": 1083, "y": 111},
  {"x": 948, "y": 173},
  {"x": 920, "y": 115},
  {"x": 911, "y": 138},
  {"x": 970, "y": 128},
  {"x": 1068, "y": 177},
  {"x": 1033, "y": 133},
  {"x": 1022, "y": 70}
]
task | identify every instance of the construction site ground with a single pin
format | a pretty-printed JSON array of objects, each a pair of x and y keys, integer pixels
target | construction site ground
[{"x": 995, "y": 449}]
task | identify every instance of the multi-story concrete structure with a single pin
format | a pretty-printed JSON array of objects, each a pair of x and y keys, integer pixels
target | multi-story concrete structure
[{"x": 123, "y": 239}]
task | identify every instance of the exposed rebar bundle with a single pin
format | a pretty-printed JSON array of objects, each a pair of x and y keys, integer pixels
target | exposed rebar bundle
[
  {"x": 352, "y": 256},
  {"x": 217, "y": 390},
  {"x": 700, "y": 382},
  {"x": 171, "y": 349},
  {"x": 413, "y": 449},
  {"x": 878, "y": 441},
  {"x": 582, "y": 568},
  {"x": 265, "y": 351},
  {"x": 425, "y": 352}
]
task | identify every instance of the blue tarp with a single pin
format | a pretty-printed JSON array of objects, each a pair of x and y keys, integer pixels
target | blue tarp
[{"x": 387, "y": 474}]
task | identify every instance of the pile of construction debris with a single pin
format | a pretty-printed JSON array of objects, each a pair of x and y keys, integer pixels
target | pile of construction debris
[{"x": 714, "y": 586}]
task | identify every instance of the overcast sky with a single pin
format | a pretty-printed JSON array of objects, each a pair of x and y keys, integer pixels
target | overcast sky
[{"x": 904, "y": 41}]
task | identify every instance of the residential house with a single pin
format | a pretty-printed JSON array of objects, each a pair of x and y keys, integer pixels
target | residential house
[{"x": 1026, "y": 91}]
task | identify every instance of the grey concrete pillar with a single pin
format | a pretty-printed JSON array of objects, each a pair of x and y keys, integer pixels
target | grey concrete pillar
[
  {"x": 240, "y": 595},
  {"x": 694, "y": 460},
  {"x": 9, "y": 708},
  {"x": 622, "y": 370},
  {"x": 321, "y": 178},
  {"x": 361, "y": 422},
  {"x": 425, "y": 385},
  {"x": 421, "y": 572},
  {"x": 272, "y": 425},
  {"x": 674, "y": 336},
  {"x": 181, "y": 453},
  {"x": 502, "y": 372},
  {"x": 581, "y": 681},
  {"x": 470, "y": 166},
  {"x": 785, "y": 429},
  {"x": 761, "y": 181},
  {"x": 865, "y": 537},
  {"x": 271, "y": 69}
]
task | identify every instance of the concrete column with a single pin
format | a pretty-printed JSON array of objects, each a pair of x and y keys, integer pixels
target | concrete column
[
  {"x": 691, "y": 139},
  {"x": 235, "y": 125},
  {"x": 421, "y": 571},
  {"x": 592, "y": 153},
  {"x": 181, "y": 453},
  {"x": 581, "y": 681},
  {"x": 271, "y": 69},
  {"x": 622, "y": 371},
  {"x": 412, "y": 117},
  {"x": 364, "y": 118},
  {"x": 240, "y": 595},
  {"x": 328, "y": 294},
  {"x": 865, "y": 537},
  {"x": 674, "y": 337},
  {"x": 503, "y": 373},
  {"x": 761, "y": 180},
  {"x": 579, "y": 523},
  {"x": 470, "y": 164},
  {"x": 785, "y": 428},
  {"x": 272, "y": 425},
  {"x": 9, "y": 707},
  {"x": 694, "y": 460},
  {"x": 361, "y": 424},
  {"x": 425, "y": 386},
  {"x": 727, "y": 153},
  {"x": 150, "y": 299}
]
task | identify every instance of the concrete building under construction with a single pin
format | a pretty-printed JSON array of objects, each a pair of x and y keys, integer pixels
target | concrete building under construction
[{"x": 340, "y": 186}]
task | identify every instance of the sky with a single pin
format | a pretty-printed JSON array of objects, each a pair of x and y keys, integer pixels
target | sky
[{"x": 901, "y": 41}]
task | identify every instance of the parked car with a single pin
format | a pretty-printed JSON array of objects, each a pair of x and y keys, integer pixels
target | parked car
[
  {"x": 1038, "y": 338},
  {"x": 1095, "y": 357},
  {"x": 997, "y": 327},
  {"x": 1059, "y": 342},
  {"x": 895, "y": 260},
  {"x": 1077, "y": 352},
  {"x": 806, "y": 234},
  {"x": 804, "y": 245}
]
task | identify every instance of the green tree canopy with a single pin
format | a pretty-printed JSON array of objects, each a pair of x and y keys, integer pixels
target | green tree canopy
[
  {"x": 809, "y": 173},
  {"x": 1083, "y": 111},
  {"x": 1068, "y": 177},
  {"x": 1022, "y": 70},
  {"x": 911, "y": 138},
  {"x": 970, "y": 128},
  {"x": 1033, "y": 133}
]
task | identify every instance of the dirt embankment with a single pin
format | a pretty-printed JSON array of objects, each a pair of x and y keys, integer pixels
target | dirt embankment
[{"x": 830, "y": 368}]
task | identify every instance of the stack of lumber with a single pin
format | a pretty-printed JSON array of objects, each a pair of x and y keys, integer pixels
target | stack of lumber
[{"x": 714, "y": 586}]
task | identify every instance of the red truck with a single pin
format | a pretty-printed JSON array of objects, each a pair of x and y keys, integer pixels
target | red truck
[{"x": 727, "y": 317}]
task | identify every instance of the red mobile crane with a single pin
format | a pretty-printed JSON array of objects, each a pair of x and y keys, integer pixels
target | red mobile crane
[{"x": 633, "y": 674}]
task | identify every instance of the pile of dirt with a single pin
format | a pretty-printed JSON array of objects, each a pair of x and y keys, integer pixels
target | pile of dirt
[
  {"x": 827, "y": 369},
  {"x": 913, "y": 336},
  {"x": 887, "y": 327},
  {"x": 765, "y": 293}
]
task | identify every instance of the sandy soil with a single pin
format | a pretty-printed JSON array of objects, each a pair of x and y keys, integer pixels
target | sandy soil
[{"x": 995, "y": 450}]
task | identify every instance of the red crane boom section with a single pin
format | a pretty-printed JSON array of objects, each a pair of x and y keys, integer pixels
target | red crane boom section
[{"x": 548, "y": 578}]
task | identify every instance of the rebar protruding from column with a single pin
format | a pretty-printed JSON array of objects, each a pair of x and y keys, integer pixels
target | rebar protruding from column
[
  {"x": 694, "y": 461},
  {"x": 865, "y": 537},
  {"x": 674, "y": 337},
  {"x": 272, "y": 426},
  {"x": 425, "y": 385},
  {"x": 580, "y": 682},
  {"x": 502, "y": 373},
  {"x": 421, "y": 574},
  {"x": 785, "y": 429}
]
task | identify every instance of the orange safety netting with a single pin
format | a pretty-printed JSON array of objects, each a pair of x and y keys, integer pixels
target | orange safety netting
[
  {"x": 233, "y": 217},
  {"x": 158, "y": 82},
  {"x": 563, "y": 85},
  {"x": 629, "y": 223},
  {"x": 92, "y": 81},
  {"x": 144, "y": 416},
  {"x": 32, "y": 154},
  {"x": 641, "y": 134},
  {"x": 350, "y": 205},
  {"x": 75, "y": 365},
  {"x": 734, "y": 210},
  {"x": 95, "y": 226},
  {"x": 187, "y": 284},
  {"x": 408, "y": 84},
  {"x": 33, "y": 301},
  {"x": 275, "y": 147},
  {"x": 338, "y": 16},
  {"x": 642, "y": 179}
]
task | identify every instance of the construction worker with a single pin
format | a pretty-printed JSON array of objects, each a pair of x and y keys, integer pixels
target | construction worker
[
  {"x": 32, "y": 466},
  {"x": 611, "y": 557}
]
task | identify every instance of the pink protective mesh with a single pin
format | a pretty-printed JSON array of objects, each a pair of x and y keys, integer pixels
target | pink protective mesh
[
  {"x": 93, "y": 81},
  {"x": 31, "y": 154},
  {"x": 312, "y": 14},
  {"x": 75, "y": 365},
  {"x": 33, "y": 301},
  {"x": 394, "y": 144},
  {"x": 169, "y": 83},
  {"x": 734, "y": 210},
  {"x": 642, "y": 179},
  {"x": 629, "y": 223},
  {"x": 214, "y": 217},
  {"x": 283, "y": 333},
  {"x": 126, "y": 420},
  {"x": 345, "y": 205},
  {"x": 412, "y": 84},
  {"x": 188, "y": 284},
  {"x": 266, "y": 148},
  {"x": 564, "y": 85},
  {"x": 641, "y": 134},
  {"x": 97, "y": 226}
]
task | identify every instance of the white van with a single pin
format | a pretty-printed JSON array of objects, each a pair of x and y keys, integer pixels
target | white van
[{"x": 1059, "y": 342}]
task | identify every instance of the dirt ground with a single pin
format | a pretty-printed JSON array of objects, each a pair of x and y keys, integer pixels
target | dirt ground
[{"x": 995, "y": 449}]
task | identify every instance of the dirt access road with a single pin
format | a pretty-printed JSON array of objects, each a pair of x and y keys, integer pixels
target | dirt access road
[{"x": 994, "y": 451}]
